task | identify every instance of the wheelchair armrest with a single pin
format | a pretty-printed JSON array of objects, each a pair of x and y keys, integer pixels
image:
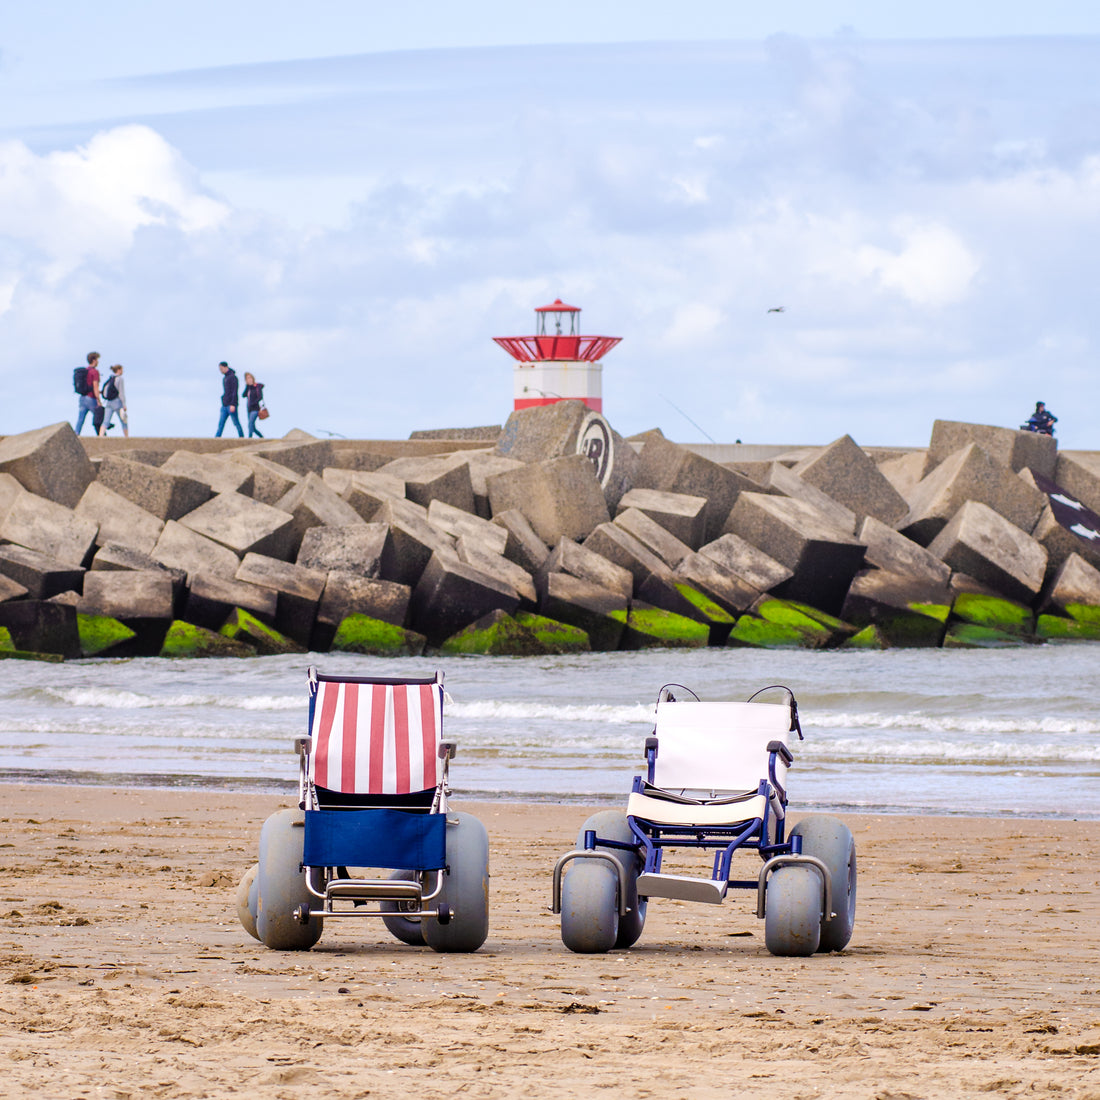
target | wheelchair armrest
[
  {"x": 447, "y": 750},
  {"x": 779, "y": 748}
]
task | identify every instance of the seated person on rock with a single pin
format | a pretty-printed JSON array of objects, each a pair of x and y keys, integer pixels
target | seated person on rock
[{"x": 1041, "y": 420}]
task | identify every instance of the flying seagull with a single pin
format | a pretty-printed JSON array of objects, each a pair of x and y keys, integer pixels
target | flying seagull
[{"x": 778, "y": 309}]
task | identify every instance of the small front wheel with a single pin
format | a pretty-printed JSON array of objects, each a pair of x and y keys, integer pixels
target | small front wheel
[
  {"x": 407, "y": 929},
  {"x": 589, "y": 906}
]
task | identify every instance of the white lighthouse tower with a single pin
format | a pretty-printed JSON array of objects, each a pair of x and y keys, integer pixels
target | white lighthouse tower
[{"x": 558, "y": 363}]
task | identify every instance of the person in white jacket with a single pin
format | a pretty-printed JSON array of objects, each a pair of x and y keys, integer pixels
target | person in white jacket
[{"x": 114, "y": 401}]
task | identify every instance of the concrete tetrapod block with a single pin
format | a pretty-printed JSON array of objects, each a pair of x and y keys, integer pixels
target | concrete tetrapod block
[
  {"x": 968, "y": 475},
  {"x": 243, "y": 525},
  {"x": 563, "y": 428},
  {"x": 212, "y": 599},
  {"x": 561, "y": 497},
  {"x": 731, "y": 592},
  {"x": 351, "y": 455},
  {"x": 618, "y": 546},
  {"x": 312, "y": 503},
  {"x": 41, "y": 525},
  {"x": 451, "y": 594},
  {"x": 906, "y": 610},
  {"x": 241, "y": 626},
  {"x": 598, "y": 611},
  {"x": 648, "y": 627},
  {"x": 905, "y": 471},
  {"x": 413, "y": 541},
  {"x": 181, "y": 548},
  {"x": 747, "y": 563},
  {"x": 499, "y": 634},
  {"x": 1006, "y": 446},
  {"x": 49, "y": 462},
  {"x": 653, "y": 536},
  {"x": 270, "y": 481},
  {"x": 299, "y": 592},
  {"x": 1079, "y": 474},
  {"x": 583, "y": 563},
  {"x": 474, "y": 553},
  {"x": 222, "y": 475},
  {"x": 1060, "y": 540},
  {"x": 119, "y": 520},
  {"x": 42, "y": 626},
  {"x": 674, "y": 469},
  {"x": 11, "y": 589},
  {"x": 1074, "y": 591},
  {"x": 304, "y": 455},
  {"x": 357, "y": 549},
  {"x": 890, "y": 550},
  {"x": 985, "y": 545},
  {"x": 39, "y": 575},
  {"x": 456, "y": 523},
  {"x": 435, "y": 477},
  {"x": 165, "y": 495},
  {"x": 483, "y": 465},
  {"x": 822, "y": 558},
  {"x": 523, "y": 546},
  {"x": 783, "y": 481},
  {"x": 681, "y": 515},
  {"x": 845, "y": 472},
  {"x": 144, "y": 594},
  {"x": 348, "y": 594},
  {"x": 367, "y": 492}
]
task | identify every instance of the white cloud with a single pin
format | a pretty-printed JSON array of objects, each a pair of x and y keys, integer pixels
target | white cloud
[{"x": 931, "y": 268}]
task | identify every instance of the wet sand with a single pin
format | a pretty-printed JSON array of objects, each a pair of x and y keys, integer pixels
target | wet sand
[{"x": 974, "y": 971}]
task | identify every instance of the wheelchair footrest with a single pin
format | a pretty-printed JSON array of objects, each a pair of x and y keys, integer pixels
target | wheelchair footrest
[
  {"x": 375, "y": 889},
  {"x": 682, "y": 888}
]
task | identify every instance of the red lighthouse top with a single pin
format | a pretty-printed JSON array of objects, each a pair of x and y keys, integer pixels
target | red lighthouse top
[{"x": 557, "y": 338}]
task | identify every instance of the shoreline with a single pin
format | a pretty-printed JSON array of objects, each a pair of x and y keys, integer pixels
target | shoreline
[
  {"x": 971, "y": 970},
  {"x": 287, "y": 789}
]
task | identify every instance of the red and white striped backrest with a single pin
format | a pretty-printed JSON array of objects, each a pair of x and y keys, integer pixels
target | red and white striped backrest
[{"x": 376, "y": 738}]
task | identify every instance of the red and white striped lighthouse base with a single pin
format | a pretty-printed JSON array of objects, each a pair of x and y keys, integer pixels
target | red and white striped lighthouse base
[{"x": 544, "y": 382}]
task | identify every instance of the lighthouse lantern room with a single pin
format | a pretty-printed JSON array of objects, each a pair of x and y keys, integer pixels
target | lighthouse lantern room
[{"x": 558, "y": 363}]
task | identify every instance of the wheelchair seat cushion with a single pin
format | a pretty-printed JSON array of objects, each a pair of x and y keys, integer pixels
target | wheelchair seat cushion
[{"x": 664, "y": 808}]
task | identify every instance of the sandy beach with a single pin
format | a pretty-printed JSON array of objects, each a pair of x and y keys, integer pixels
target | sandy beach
[{"x": 124, "y": 973}]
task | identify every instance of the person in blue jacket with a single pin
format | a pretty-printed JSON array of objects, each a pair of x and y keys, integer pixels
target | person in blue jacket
[
  {"x": 230, "y": 400},
  {"x": 1041, "y": 420}
]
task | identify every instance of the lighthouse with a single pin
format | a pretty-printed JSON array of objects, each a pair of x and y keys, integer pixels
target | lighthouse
[{"x": 558, "y": 363}]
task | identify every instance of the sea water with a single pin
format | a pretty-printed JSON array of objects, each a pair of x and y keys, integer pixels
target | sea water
[{"x": 989, "y": 732}]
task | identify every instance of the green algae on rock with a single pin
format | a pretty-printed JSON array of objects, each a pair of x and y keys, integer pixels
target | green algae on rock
[
  {"x": 188, "y": 640},
  {"x": 870, "y": 637},
  {"x": 993, "y": 611},
  {"x": 496, "y": 634},
  {"x": 762, "y": 634},
  {"x": 244, "y": 627},
  {"x": 976, "y": 636},
  {"x": 1056, "y": 628},
  {"x": 99, "y": 634},
  {"x": 556, "y": 637},
  {"x": 649, "y": 627},
  {"x": 373, "y": 637},
  {"x": 718, "y": 620}
]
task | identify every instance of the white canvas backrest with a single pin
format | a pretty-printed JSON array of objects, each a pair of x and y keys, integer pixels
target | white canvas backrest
[
  {"x": 376, "y": 738},
  {"x": 718, "y": 746}
]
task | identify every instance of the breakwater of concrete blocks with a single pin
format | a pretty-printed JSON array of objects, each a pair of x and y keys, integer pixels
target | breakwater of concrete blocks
[{"x": 549, "y": 535}]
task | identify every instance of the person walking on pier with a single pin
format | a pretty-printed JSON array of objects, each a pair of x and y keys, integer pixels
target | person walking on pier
[
  {"x": 253, "y": 401},
  {"x": 114, "y": 399},
  {"x": 230, "y": 400},
  {"x": 86, "y": 384}
]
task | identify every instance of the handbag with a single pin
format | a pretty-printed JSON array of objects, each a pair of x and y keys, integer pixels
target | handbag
[{"x": 263, "y": 414}]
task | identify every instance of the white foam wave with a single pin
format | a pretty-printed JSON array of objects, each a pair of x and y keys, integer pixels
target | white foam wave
[
  {"x": 110, "y": 698},
  {"x": 947, "y": 723},
  {"x": 857, "y": 750},
  {"x": 596, "y": 712}
]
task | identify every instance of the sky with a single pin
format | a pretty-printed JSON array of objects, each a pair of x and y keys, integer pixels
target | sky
[{"x": 350, "y": 202}]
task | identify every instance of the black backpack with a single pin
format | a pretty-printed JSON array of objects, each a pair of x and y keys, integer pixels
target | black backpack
[
  {"x": 110, "y": 390},
  {"x": 80, "y": 381}
]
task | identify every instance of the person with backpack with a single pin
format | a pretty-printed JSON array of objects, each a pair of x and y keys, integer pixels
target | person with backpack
[
  {"x": 230, "y": 400},
  {"x": 86, "y": 383},
  {"x": 253, "y": 402},
  {"x": 114, "y": 397}
]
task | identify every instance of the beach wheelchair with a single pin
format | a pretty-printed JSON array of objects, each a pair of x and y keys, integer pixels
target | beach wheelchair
[
  {"x": 373, "y": 835},
  {"x": 716, "y": 781}
]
